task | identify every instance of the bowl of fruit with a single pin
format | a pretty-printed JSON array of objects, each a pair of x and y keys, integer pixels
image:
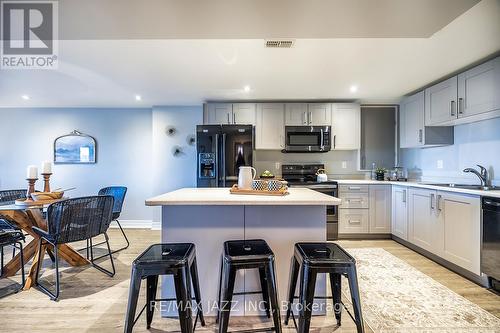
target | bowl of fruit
[{"x": 266, "y": 175}]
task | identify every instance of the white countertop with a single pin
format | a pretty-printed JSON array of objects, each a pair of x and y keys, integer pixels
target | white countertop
[
  {"x": 491, "y": 193},
  {"x": 221, "y": 196}
]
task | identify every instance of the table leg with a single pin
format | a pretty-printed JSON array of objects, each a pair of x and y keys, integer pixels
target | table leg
[
  {"x": 71, "y": 256},
  {"x": 31, "y": 279}
]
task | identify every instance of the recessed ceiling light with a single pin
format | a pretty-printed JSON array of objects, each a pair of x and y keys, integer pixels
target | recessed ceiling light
[
  {"x": 246, "y": 88},
  {"x": 25, "y": 97},
  {"x": 353, "y": 88},
  {"x": 138, "y": 97}
]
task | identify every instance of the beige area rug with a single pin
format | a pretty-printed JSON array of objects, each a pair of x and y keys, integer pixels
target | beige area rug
[{"x": 396, "y": 297}]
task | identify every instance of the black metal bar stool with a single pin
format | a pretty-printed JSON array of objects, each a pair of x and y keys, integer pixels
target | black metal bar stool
[
  {"x": 248, "y": 254},
  {"x": 310, "y": 259},
  {"x": 177, "y": 259}
]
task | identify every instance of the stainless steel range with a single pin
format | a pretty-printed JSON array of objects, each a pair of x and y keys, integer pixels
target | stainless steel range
[{"x": 304, "y": 175}]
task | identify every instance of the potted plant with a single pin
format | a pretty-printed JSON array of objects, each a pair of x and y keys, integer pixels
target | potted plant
[{"x": 379, "y": 173}]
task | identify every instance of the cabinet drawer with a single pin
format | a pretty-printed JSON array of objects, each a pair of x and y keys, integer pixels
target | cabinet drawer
[
  {"x": 354, "y": 200},
  {"x": 353, "y": 221},
  {"x": 353, "y": 188}
]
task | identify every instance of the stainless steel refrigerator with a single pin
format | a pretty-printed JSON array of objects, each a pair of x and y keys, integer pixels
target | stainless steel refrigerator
[{"x": 222, "y": 149}]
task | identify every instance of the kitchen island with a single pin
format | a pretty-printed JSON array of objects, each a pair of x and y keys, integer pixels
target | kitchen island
[{"x": 208, "y": 217}]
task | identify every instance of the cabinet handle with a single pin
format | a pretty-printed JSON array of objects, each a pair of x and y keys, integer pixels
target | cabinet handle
[
  {"x": 354, "y": 221},
  {"x": 310, "y": 117},
  {"x": 228, "y": 121},
  {"x": 432, "y": 201},
  {"x": 334, "y": 141},
  {"x": 404, "y": 196},
  {"x": 420, "y": 135},
  {"x": 460, "y": 105},
  {"x": 452, "y": 108},
  {"x": 282, "y": 141},
  {"x": 438, "y": 202},
  {"x": 304, "y": 118},
  {"x": 234, "y": 118},
  {"x": 356, "y": 188},
  {"x": 355, "y": 200}
]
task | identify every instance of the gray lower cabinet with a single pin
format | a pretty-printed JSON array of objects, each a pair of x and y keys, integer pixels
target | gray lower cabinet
[
  {"x": 380, "y": 209},
  {"x": 446, "y": 224},
  {"x": 365, "y": 209},
  {"x": 399, "y": 219}
]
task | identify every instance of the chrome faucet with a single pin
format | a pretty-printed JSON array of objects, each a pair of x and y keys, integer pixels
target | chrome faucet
[{"x": 482, "y": 174}]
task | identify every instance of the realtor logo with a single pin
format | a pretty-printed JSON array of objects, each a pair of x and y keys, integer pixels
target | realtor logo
[{"x": 28, "y": 34}]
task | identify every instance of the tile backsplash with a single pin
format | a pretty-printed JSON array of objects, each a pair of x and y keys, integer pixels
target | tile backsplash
[
  {"x": 475, "y": 143},
  {"x": 333, "y": 161}
]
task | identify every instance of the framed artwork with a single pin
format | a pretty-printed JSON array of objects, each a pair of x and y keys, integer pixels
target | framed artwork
[{"x": 75, "y": 148}]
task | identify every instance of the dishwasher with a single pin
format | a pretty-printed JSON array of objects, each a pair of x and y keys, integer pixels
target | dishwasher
[{"x": 490, "y": 244}]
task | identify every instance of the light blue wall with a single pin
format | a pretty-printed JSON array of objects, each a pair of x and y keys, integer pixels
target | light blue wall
[
  {"x": 133, "y": 149},
  {"x": 476, "y": 143},
  {"x": 124, "y": 151},
  {"x": 170, "y": 172}
]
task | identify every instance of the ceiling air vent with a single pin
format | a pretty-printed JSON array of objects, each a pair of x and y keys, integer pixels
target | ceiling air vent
[{"x": 279, "y": 43}]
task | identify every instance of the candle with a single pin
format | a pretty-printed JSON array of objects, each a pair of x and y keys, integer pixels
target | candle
[
  {"x": 46, "y": 167},
  {"x": 32, "y": 172}
]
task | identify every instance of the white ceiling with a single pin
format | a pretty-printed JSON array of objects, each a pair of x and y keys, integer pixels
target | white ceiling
[
  {"x": 255, "y": 19},
  {"x": 109, "y": 73}
]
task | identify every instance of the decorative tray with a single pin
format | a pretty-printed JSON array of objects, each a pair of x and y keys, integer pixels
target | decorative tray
[
  {"x": 236, "y": 190},
  {"x": 37, "y": 203}
]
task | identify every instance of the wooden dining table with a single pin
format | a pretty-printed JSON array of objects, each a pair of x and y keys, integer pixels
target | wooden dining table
[{"x": 26, "y": 218}]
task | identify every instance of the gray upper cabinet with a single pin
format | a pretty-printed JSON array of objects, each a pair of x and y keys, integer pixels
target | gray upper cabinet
[
  {"x": 244, "y": 113},
  {"x": 467, "y": 97},
  {"x": 218, "y": 113},
  {"x": 412, "y": 130},
  {"x": 228, "y": 114},
  {"x": 345, "y": 126},
  {"x": 270, "y": 126},
  {"x": 312, "y": 114},
  {"x": 319, "y": 114},
  {"x": 441, "y": 102},
  {"x": 479, "y": 89},
  {"x": 411, "y": 121},
  {"x": 296, "y": 114}
]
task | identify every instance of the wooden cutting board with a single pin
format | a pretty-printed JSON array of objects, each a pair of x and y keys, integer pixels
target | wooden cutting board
[{"x": 236, "y": 190}]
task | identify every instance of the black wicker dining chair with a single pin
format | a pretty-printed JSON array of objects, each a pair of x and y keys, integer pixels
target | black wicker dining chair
[
  {"x": 118, "y": 193},
  {"x": 8, "y": 197},
  {"x": 11, "y": 237},
  {"x": 74, "y": 220}
]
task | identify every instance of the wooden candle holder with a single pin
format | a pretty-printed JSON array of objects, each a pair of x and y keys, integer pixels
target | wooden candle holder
[
  {"x": 46, "y": 180},
  {"x": 31, "y": 188}
]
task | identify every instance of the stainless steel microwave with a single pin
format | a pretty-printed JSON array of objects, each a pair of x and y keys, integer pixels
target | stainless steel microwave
[{"x": 305, "y": 139}]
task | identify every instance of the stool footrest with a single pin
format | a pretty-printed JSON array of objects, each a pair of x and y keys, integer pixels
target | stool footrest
[
  {"x": 169, "y": 299},
  {"x": 249, "y": 293},
  {"x": 254, "y": 330},
  {"x": 316, "y": 297}
]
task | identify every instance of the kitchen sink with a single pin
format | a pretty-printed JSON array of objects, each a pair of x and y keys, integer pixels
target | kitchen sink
[{"x": 465, "y": 186}]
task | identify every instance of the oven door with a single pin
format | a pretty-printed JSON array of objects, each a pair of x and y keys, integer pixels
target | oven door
[{"x": 307, "y": 138}]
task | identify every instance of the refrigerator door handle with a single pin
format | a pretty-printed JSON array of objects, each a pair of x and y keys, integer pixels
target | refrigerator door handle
[
  {"x": 224, "y": 159},
  {"x": 217, "y": 159}
]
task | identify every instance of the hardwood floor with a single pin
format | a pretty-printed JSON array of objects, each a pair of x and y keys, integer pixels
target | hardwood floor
[{"x": 92, "y": 302}]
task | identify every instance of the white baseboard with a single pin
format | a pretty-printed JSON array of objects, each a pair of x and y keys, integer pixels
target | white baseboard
[
  {"x": 133, "y": 224},
  {"x": 156, "y": 225}
]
